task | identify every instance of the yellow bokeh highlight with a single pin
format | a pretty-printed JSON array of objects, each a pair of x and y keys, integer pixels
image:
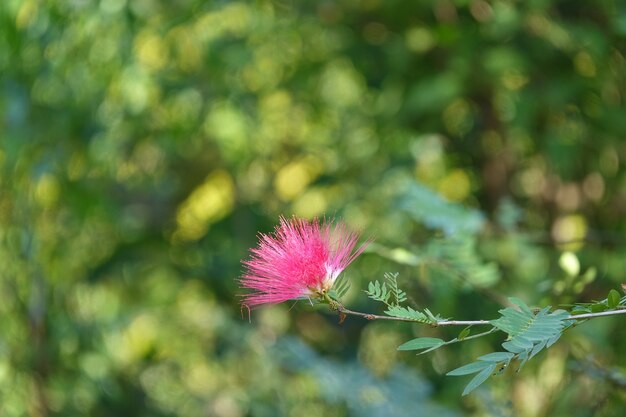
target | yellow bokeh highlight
[
  {"x": 455, "y": 186},
  {"x": 25, "y": 14},
  {"x": 514, "y": 80},
  {"x": 341, "y": 85},
  {"x": 292, "y": 179},
  {"x": 312, "y": 203},
  {"x": 202, "y": 379},
  {"x": 151, "y": 51},
  {"x": 228, "y": 126},
  {"x": 568, "y": 261},
  {"x": 208, "y": 203},
  {"x": 569, "y": 232},
  {"x": 136, "y": 88},
  {"x": 263, "y": 72},
  {"x": 186, "y": 47},
  {"x": 420, "y": 39},
  {"x": 233, "y": 18},
  {"x": 137, "y": 340},
  {"x": 47, "y": 190}
]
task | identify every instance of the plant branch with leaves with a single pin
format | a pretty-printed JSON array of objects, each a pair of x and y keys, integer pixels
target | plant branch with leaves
[
  {"x": 305, "y": 259},
  {"x": 528, "y": 331}
]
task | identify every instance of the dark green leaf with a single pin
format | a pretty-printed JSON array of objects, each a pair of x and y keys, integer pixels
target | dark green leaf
[
  {"x": 464, "y": 333},
  {"x": 613, "y": 299}
]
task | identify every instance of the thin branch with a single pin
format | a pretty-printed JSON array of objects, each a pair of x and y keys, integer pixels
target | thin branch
[
  {"x": 474, "y": 336},
  {"x": 340, "y": 308},
  {"x": 600, "y": 314},
  {"x": 462, "y": 323}
]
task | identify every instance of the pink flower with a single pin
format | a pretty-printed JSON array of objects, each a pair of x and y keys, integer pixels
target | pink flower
[{"x": 301, "y": 259}]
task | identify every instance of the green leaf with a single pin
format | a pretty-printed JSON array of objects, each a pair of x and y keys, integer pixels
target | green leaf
[
  {"x": 464, "y": 333},
  {"x": 431, "y": 317},
  {"x": 613, "y": 299},
  {"x": 522, "y": 305},
  {"x": 431, "y": 349},
  {"x": 530, "y": 333},
  {"x": 538, "y": 347},
  {"x": 517, "y": 345},
  {"x": 580, "y": 310},
  {"x": 470, "y": 368},
  {"x": 497, "y": 357},
  {"x": 378, "y": 292},
  {"x": 523, "y": 358},
  {"x": 599, "y": 307},
  {"x": 421, "y": 343},
  {"x": 481, "y": 377}
]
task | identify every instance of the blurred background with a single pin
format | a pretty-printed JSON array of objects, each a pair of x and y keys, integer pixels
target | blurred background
[{"x": 145, "y": 143}]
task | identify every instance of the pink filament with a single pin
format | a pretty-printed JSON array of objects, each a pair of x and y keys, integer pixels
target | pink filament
[{"x": 298, "y": 260}]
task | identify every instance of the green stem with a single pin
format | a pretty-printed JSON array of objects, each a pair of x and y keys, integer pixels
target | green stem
[{"x": 474, "y": 336}]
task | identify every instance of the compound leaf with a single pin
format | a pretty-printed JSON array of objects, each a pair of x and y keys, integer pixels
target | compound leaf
[{"x": 481, "y": 377}]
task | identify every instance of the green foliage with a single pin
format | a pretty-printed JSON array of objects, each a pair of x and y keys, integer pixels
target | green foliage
[
  {"x": 431, "y": 209},
  {"x": 406, "y": 312},
  {"x": 613, "y": 301},
  {"x": 464, "y": 333},
  {"x": 392, "y": 296},
  {"x": 388, "y": 292},
  {"x": 145, "y": 143},
  {"x": 401, "y": 392},
  {"x": 457, "y": 255},
  {"x": 528, "y": 334}
]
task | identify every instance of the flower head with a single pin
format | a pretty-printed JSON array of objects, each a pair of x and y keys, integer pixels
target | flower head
[{"x": 301, "y": 259}]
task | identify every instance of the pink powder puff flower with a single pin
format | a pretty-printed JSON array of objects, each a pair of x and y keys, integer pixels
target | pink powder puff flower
[{"x": 301, "y": 259}]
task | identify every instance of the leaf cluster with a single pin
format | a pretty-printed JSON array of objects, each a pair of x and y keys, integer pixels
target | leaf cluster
[
  {"x": 612, "y": 301},
  {"x": 389, "y": 293},
  {"x": 528, "y": 333}
]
